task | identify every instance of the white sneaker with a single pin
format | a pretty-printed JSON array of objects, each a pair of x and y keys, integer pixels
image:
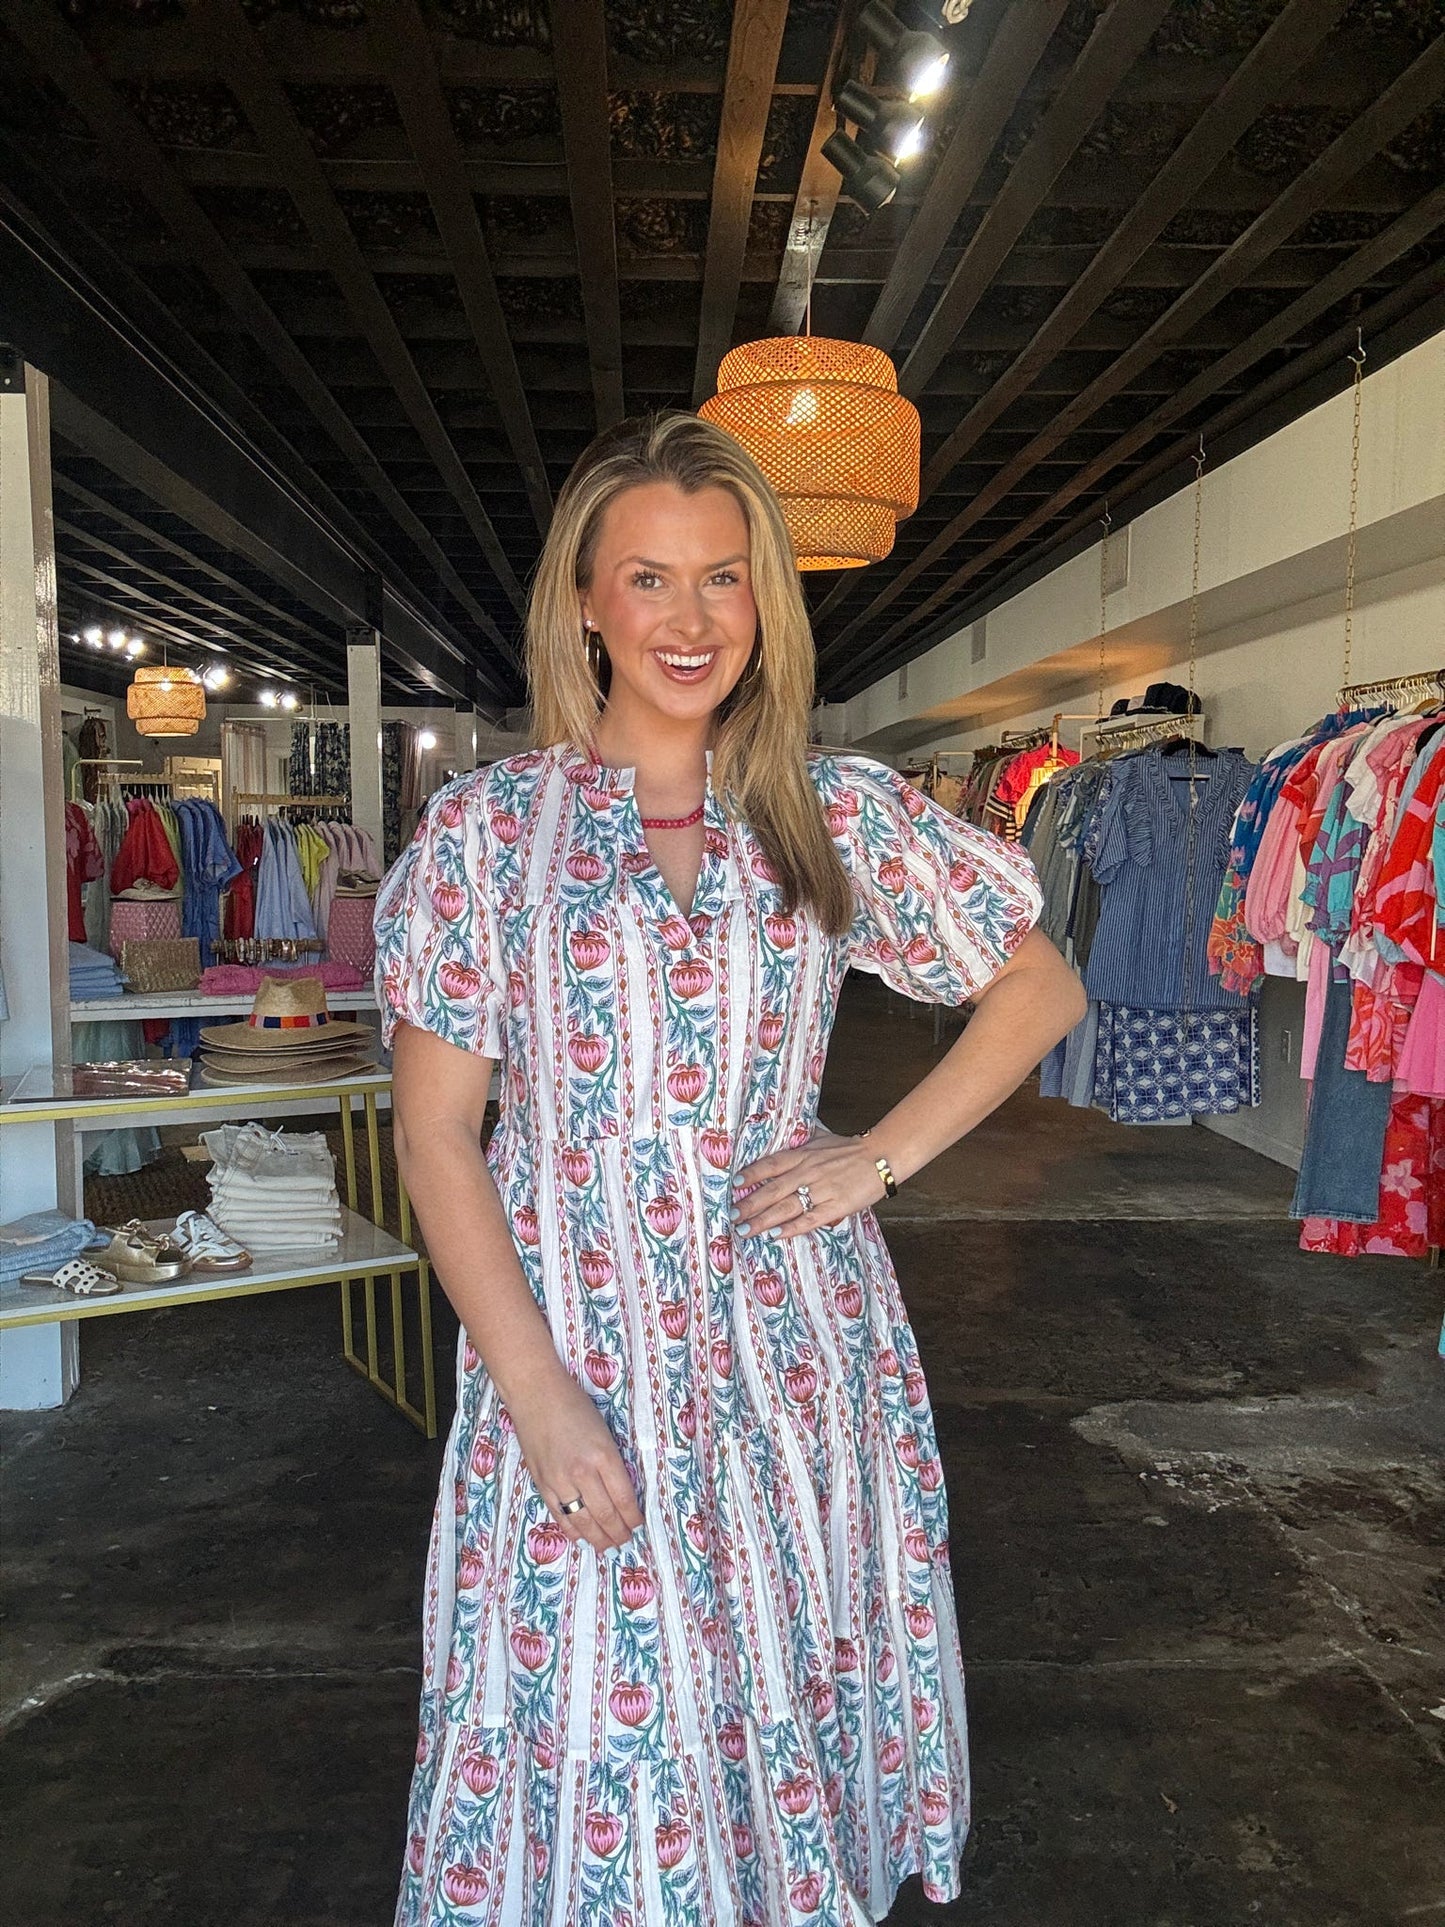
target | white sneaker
[{"x": 206, "y": 1245}]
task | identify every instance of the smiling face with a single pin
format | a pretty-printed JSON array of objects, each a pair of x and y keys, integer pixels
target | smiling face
[{"x": 671, "y": 596}]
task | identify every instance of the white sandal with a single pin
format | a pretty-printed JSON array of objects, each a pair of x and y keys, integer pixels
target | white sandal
[
  {"x": 79, "y": 1278},
  {"x": 206, "y": 1245}
]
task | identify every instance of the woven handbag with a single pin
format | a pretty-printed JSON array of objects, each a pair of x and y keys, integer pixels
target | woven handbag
[{"x": 162, "y": 963}]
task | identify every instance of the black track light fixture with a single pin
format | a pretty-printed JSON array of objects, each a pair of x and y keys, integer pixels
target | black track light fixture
[
  {"x": 918, "y": 61},
  {"x": 891, "y": 128},
  {"x": 868, "y": 178}
]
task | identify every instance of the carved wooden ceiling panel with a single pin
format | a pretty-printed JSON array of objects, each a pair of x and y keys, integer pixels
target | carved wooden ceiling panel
[{"x": 472, "y": 201}]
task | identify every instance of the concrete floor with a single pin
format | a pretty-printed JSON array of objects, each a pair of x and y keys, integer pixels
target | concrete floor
[{"x": 1198, "y": 1509}]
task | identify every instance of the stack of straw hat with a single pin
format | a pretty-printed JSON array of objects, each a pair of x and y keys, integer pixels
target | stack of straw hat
[{"x": 290, "y": 1037}]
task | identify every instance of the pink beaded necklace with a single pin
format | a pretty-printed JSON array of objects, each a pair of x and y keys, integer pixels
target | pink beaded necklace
[{"x": 673, "y": 822}]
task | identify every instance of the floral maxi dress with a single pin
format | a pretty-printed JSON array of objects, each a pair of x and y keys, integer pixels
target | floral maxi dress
[{"x": 753, "y": 1713}]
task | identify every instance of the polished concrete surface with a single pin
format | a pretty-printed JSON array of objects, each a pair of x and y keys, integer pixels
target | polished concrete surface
[{"x": 1198, "y": 1511}]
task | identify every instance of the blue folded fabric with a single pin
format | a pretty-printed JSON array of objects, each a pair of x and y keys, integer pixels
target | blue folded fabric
[
  {"x": 42, "y": 1241},
  {"x": 93, "y": 973}
]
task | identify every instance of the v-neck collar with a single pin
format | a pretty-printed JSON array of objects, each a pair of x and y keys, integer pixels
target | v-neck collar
[{"x": 615, "y": 788}]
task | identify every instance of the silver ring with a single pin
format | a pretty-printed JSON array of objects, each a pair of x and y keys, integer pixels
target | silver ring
[
  {"x": 805, "y": 1197},
  {"x": 570, "y": 1506}
]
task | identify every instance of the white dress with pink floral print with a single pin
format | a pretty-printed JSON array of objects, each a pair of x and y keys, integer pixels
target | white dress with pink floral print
[{"x": 753, "y": 1714}]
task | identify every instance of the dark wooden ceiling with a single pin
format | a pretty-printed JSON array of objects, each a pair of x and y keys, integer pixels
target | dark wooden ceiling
[{"x": 437, "y": 243}]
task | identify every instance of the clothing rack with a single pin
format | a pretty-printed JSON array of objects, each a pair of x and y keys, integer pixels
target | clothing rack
[
  {"x": 1034, "y": 738},
  {"x": 280, "y": 799},
  {"x": 1139, "y": 735},
  {"x": 1426, "y": 682}
]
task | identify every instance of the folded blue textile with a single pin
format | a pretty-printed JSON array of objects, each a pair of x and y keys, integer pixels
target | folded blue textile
[
  {"x": 93, "y": 974},
  {"x": 41, "y": 1241}
]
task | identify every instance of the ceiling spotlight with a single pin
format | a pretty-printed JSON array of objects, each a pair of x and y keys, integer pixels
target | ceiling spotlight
[
  {"x": 267, "y": 699},
  {"x": 217, "y": 677},
  {"x": 290, "y": 701},
  {"x": 890, "y": 127},
  {"x": 867, "y": 178},
  {"x": 94, "y": 636},
  {"x": 135, "y": 647},
  {"x": 427, "y": 739},
  {"x": 116, "y": 638},
  {"x": 918, "y": 61}
]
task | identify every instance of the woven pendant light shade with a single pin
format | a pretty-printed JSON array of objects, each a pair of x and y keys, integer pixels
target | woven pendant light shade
[
  {"x": 166, "y": 702},
  {"x": 826, "y": 424}
]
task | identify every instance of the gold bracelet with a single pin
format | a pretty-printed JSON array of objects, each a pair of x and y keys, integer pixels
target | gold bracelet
[{"x": 885, "y": 1171}]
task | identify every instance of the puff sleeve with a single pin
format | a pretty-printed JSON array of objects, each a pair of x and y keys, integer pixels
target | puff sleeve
[
  {"x": 438, "y": 940},
  {"x": 942, "y": 905}
]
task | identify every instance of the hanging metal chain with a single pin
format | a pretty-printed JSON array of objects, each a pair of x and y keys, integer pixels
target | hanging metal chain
[
  {"x": 1191, "y": 834},
  {"x": 1358, "y": 358},
  {"x": 1108, "y": 522}
]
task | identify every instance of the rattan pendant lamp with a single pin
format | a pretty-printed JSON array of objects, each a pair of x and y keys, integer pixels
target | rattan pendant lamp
[
  {"x": 162, "y": 701},
  {"x": 825, "y": 422}
]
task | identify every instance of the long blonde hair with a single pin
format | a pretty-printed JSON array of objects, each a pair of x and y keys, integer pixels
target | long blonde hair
[{"x": 759, "y": 767}]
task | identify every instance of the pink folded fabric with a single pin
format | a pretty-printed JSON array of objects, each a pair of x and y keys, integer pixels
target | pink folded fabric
[{"x": 227, "y": 979}]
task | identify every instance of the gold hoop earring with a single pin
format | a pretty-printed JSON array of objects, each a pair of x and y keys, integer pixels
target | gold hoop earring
[{"x": 592, "y": 644}]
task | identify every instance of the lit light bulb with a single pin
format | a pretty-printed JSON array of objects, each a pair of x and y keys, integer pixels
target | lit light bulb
[
  {"x": 216, "y": 678},
  {"x": 267, "y": 699},
  {"x": 288, "y": 701},
  {"x": 165, "y": 682},
  {"x": 803, "y": 409},
  {"x": 910, "y": 143},
  {"x": 93, "y": 636},
  {"x": 427, "y": 739},
  {"x": 928, "y": 79},
  {"x": 135, "y": 647},
  {"x": 116, "y": 638}
]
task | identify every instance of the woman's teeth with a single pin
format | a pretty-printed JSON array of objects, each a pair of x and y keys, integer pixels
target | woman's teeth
[{"x": 685, "y": 662}]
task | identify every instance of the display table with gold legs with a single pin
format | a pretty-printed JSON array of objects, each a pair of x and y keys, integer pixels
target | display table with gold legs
[{"x": 368, "y": 1251}]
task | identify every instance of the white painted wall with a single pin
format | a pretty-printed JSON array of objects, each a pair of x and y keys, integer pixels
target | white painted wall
[{"x": 1271, "y": 625}]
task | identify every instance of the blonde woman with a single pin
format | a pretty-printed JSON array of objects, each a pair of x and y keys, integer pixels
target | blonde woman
[{"x": 691, "y": 1657}]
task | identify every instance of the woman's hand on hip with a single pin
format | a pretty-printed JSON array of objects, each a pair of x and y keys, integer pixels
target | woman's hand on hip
[
  {"x": 838, "y": 1176},
  {"x": 571, "y": 1454}
]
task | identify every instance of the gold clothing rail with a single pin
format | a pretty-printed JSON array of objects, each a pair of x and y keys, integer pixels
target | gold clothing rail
[{"x": 1424, "y": 682}]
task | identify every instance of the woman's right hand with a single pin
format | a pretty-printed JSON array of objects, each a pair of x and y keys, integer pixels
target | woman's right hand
[{"x": 571, "y": 1454}]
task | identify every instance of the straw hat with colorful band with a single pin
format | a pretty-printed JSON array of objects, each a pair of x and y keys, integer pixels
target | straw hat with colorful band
[{"x": 287, "y": 1011}]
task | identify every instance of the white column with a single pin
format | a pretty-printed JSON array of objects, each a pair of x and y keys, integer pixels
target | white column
[
  {"x": 363, "y": 697},
  {"x": 467, "y": 725},
  {"x": 39, "y": 1364}
]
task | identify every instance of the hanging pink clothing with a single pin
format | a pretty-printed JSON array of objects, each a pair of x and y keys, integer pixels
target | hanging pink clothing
[
  {"x": 83, "y": 864},
  {"x": 1421, "y": 1067},
  {"x": 1267, "y": 893}
]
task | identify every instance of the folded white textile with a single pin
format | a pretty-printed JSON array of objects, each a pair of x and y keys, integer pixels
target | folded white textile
[{"x": 241, "y": 1184}]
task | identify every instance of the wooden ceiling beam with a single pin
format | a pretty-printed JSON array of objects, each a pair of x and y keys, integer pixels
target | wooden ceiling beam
[
  {"x": 754, "y": 43},
  {"x": 306, "y": 53},
  {"x": 1427, "y": 285},
  {"x": 1083, "y": 184},
  {"x": 131, "y": 525},
  {"x": 231, "y": 40},
  {"x": 1424, "y": 290},
  {"x": 1291, "y": 37},
  {"x": 127, "y": 558},
  {"x": 841, "y": 267},
  {"x": 1415, "y": 90},
  {"x": 404, "y": 45},
  {"x": 819, "y": 185},
  {"x": 1016, "y": 48},
  {"x": 60, "y": 54},
  {"x": 579, "y": 46},
  {"x": 1116, "y": 43},
  {"x": 1362, "y": 266}
]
